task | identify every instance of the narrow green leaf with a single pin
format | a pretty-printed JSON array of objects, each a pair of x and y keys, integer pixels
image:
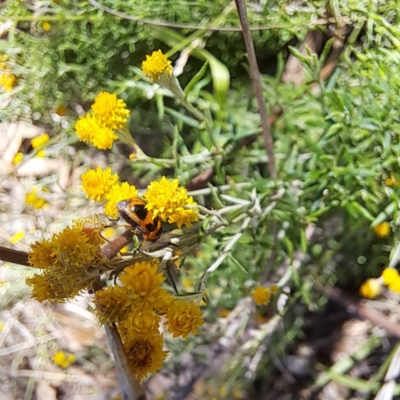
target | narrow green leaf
[
  {"x": 183, "y": 118},
  {"x": 160, "y": 105},
  {"x": 237, "y": 263},
  {"x": 196, "y": 78},
  {"x": 360, "y": 210}
]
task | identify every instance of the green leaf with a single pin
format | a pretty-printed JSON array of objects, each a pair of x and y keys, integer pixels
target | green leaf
[
  {"x": 183, "y": 118},
  {"x": 196, "y": 79},
  {"x": 355, "y": 209},
  {"x": 237, "y": 263}
]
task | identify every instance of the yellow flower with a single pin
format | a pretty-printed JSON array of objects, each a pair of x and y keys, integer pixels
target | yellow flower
[
  {"x": 17, "y": 237},
  {"x": 90, "y": 130},
  {"x": 395, "y": 286},
  {"x": 143, "y": 282},
  {"x": 8, "y": 81},
  {"x": 40, "y": 140},
  {"x": 389, "y": 275},
  {"x": 63, "y": 360},
  {"x": 41, "y": 153},
  {"x": 41, "y": 254},
  {"x": 223, "y": 312},
  {"x": 145, "y": 354},
  {"x": 163, "y": 302},
  {"x": 3, "y": 58},
  {"x": 274, "y": 289},
  {"x": 382, "y": 230},
  {"x": 18, "y": 158},
  {"x": 46, "y": 26},
  {"x": 111, "y": 304},
  {"x": 110, "y": 110},
  {"x": 74, "y": 246},
  {"x": 97, "y": 182},
  {"x": 184, "y": 318},
  {"x": 261, "y": 295},
  {"x": 61, "y": 110},
  {"x": 118, "y": 192},
  {"x": 392, "y": 181},
  {"x": 71, "y": 259},
  {"x": 371, "y": 288},
  {"x": 142, "y": 320},
  {"x": 53, "y": 287},
  {"x": 167, "y": 200},
  {"x": 32, "y": 199},
  {"x": 156, "y": 64}
]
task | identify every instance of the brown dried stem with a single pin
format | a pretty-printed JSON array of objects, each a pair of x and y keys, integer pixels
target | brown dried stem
[{"x": 256, "y": 79}]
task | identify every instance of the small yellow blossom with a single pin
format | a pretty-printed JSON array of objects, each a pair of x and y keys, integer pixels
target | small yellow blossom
[
  {"x": 8, "y": 81},
  {"x": 274, "y": 289},
  {"x": 118, "y": 192},
  {"x": 41, "y": 154},
  {"x": 32, "y": 199},
  {"x": 63, "y": 360},
  {"x": 261, "y": 295},
  {"x": 143, "y": 282},
  {"x": 17, "y": 237},
  {"x": 382, "y": 230},
  {"x": 111, "y": 304},
  {"x": 3, "y": 58},
  {"x": 98, "y": 182},
  {"x": 156, "y": 64},
  {"x": 184, "y": 318},
  {"x": 163, "y": 302},
  {"x": 41, "y": 254},
  {"x": 143, "y": 320},
  {"x": 1, "y": 326},
  {"x": 389, "y": 275},
  {"x": 40, "y": 140},
  {"x": 223, "y": 312},
  {"x": 18, "y": 158},
  {"x": 371, "y": 288},
  {"x": 110, "y": 110},
  {"x": 46, "y": 26},
  {"x": 61, "y": 110},
  {"x": 145, "y": 354},
  {"x": 392, "y": 181},
  {"x": 395, "y": 286},
  {"x": 89, "y": 129},
  {"x": 167, "y": 200}
]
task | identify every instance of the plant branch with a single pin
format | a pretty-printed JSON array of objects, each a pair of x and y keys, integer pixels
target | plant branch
[{"x": 255, "y": 78}]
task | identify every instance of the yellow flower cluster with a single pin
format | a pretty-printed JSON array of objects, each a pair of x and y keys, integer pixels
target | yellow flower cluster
[
  {"x": 156, "y": 64},
  {"x": 7, "y": 79},
  {"x": 372, "y": 287},
  {"x": 262, "y": 295},
  {"x": 70, "y": 261},
  {"x": 34, "y": 200},
  {"x": 63, "y": 360},
  {"x": 108, "y": 114},
  {"x": 165, "y": 198},
  {"x": 136, "y": 307}
]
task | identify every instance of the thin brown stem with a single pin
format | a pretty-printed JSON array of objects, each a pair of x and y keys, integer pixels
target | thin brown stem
[
  {"x": 255, "y": 78},
  {"x": 14, "y": 256}
]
